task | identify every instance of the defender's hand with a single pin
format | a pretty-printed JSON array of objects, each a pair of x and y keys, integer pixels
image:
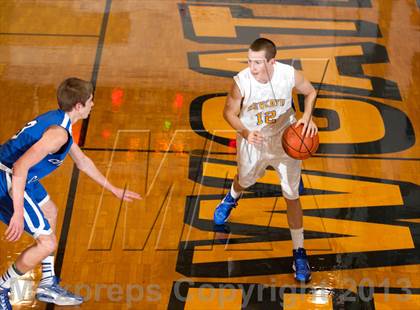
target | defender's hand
[{"x": 126, "y": 195}]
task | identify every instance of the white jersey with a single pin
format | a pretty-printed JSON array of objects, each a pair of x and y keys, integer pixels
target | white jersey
[{"x": 267, "y": 106}]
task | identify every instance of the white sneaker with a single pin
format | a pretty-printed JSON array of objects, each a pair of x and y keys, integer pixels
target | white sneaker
[{"x": 56, "y": 294}]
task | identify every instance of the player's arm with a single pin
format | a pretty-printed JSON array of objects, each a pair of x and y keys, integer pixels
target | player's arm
[
  {"x": 303, "y": 86},
  {"x": 231, "y": 115},
  {"x": 85, "y": 164},
  {"x": 52, "y": 140}
]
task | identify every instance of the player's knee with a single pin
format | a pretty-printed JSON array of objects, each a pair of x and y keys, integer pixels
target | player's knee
[
  {"x": 237, "y": 186},
  {"x": 50, "y": 211},
  {"x": 53, "y": 211},
  {"x": 245, "y": 183},
  {"x": 47, "y": 243},
  {"x": 290, "y": 192}
]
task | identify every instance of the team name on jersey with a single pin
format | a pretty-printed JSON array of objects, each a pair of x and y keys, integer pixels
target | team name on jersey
[{"x": 266, "y": 104}]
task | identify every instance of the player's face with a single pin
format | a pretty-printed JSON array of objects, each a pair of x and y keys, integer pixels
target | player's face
[
  {"x": 258, "y": 64},
  {"x": 85, "y": 111}
]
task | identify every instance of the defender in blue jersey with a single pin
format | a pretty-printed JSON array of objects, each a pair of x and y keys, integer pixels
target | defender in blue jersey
[{"x": 35, "y": 151}]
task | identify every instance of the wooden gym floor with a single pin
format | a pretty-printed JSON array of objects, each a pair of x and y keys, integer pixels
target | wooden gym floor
[{"x": 161, "y": 71}]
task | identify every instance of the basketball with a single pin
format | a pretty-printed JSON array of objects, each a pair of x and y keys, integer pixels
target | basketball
[{"x": 296, "y": 146}]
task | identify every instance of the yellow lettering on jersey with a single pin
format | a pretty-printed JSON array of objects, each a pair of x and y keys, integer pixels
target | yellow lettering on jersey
[
  {"x": 259, "y": 118},
  {"x": 266, "y": 104},
  {"x": 269, "y": 117},
  {"x": 252, "y": 106},
  {"x": 281, "y": 102}
]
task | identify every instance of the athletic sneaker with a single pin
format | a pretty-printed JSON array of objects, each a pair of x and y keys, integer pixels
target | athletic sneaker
[
  {"x": 4, "y": 299},
  {"x": 222, "y": 212},
  {"x": 56, "y": 294},
  {"x": 301, "y": 265}
]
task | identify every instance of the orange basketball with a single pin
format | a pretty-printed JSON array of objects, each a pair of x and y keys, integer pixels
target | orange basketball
[{"x": 296, "y": 146}]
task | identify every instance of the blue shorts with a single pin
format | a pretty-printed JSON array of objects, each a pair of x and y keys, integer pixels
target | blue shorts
[{"x": 35, "y": 196}]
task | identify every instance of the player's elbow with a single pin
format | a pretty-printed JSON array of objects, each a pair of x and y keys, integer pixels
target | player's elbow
[
  {"x": 228, "y": 114},
  {"x": 225, "y": 115},
  {"x": 20, "y": 169},
  {"x": 312, "y": 92}
]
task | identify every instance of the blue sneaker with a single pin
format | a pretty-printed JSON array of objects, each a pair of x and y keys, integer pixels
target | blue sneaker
[
  {"x": 4, "y": 299},
  {"x": 58, "y": 295},
  {"x": 222, "y": 212},
  {"x": 301, "y": 266}
]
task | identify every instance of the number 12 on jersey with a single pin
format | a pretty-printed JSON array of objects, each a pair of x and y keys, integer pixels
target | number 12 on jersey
[{"x": 266, "y": 117}]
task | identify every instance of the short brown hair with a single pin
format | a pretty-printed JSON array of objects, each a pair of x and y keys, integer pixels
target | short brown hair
[
  {"x": 72, "y": 91},
  {"x": 263, "y": 44}
]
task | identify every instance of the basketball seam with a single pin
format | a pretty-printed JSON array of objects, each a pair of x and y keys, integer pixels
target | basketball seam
[
  {"x": 299, "y": 154},
  {"x": 301, "y": 140}
]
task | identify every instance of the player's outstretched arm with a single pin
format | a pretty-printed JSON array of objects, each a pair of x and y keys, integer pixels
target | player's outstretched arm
[
  {"x": 231, "y": 115},
  {"x": 86, "y": 165},
  {"x": 303, "y": 86},
  {"x": 52, "y": 140}
]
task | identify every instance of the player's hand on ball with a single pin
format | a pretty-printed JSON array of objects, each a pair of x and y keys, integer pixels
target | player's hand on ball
[{"x": 309, "y": 127}]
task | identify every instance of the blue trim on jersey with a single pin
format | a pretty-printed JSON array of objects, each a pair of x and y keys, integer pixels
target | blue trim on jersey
[{"x": 13, "y": 149}]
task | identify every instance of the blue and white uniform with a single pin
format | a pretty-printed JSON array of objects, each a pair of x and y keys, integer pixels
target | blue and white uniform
[{"x": 35, "y": 195}]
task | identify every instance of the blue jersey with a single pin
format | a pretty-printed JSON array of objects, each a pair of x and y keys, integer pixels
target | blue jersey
[{"x": 13, "y": 149}]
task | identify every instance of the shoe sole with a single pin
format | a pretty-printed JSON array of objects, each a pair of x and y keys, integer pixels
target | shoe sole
[{"x": 52, "y": 301}]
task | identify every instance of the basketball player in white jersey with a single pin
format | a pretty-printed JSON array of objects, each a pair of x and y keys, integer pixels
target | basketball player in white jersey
[{"x": 259, "y": 108}]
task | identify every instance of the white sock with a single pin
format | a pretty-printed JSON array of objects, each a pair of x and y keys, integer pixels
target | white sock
[
  {"x": 8, "y": 276},
  {"x": 297, "y": 238},
  {"x": 234, "y": 193},
  {"x": 47, "y": 271}
]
